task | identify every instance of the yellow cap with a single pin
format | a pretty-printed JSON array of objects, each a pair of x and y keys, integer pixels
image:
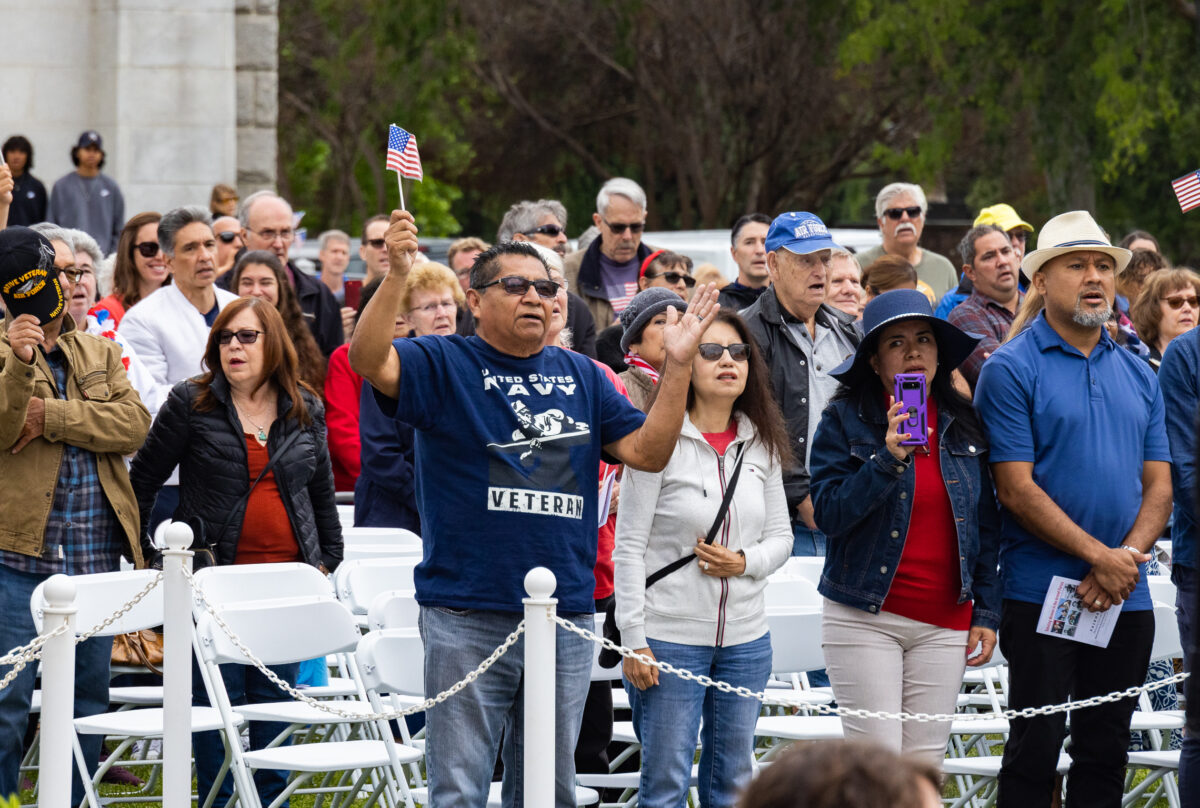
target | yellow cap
[{"x": 1003, "y": 216}]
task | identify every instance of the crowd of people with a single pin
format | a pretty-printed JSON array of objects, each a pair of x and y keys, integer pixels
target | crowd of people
[{"x": 662, "y": 442}]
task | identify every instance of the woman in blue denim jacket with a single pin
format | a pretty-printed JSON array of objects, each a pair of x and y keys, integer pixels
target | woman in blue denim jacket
[{"x": 910, "y": 582}]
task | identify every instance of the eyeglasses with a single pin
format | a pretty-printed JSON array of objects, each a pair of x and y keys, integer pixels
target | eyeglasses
[
  {"x": 674, "y": 278},
  {"x": 73, "y": 275},
  {"x": 271, "y": 235},
  {"x": 551, "y": 230},
  {"x": 1177, "y": 301},
  {"x": 632, "y": 227},
  {"x": 227, "y": 236},
  {"x": 246, "y": 336},
  {"x": 895, "y": 214},
  {"x": 432, "y": 308},
  {"x": 516, "y": 285},
  {"x": 148, "y": 249},
  {"x": 738, "y": 351},
  {"x": 377, "y": 243}
]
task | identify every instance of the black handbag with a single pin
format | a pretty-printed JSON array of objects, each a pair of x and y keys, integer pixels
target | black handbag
[
  {"x": 203, "y": 543},
  {"x": 609, "y": 658}
]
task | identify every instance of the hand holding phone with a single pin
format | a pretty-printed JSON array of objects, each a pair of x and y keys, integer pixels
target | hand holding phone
[{"x": 910, "y": 394}]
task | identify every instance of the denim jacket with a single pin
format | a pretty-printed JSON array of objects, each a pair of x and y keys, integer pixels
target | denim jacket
[{"x": 863, "y": 501}]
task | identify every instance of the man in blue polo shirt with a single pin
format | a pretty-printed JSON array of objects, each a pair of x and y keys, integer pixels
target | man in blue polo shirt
[
  {"x": 1072, "y": 419},
  {"x": 509, "y": 436}
]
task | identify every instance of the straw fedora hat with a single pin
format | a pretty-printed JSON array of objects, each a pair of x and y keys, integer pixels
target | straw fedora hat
[{"x": 1074, "y": 231}]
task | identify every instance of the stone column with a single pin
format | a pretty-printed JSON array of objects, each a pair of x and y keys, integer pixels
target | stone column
[{"x": 257, "y": 93}]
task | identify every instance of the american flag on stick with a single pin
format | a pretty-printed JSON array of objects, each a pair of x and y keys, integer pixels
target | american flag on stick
[
  {"x": 1187, "y": 189},
  {"x": 402, "y": 156}
]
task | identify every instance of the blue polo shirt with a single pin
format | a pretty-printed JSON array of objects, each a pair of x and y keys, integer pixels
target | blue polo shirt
[{"x": 1087, "y": 424}]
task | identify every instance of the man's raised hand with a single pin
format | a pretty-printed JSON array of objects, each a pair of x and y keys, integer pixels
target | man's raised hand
[
  {"x": 401, "y": 240},
  {"x": 682, "y": 334}
]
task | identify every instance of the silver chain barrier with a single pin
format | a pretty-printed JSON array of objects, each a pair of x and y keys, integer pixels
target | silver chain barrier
[
  {"x": 825, "y": 709},
  {"x": 353, "y": 714},
  {"x": 22, "y": 655}
]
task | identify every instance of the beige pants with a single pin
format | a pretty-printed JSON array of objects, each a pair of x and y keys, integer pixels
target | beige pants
[{"x": 893, "y": 664}]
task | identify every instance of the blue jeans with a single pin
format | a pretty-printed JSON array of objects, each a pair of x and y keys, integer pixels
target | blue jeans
[
  {"x": 1184, "y": 579},
  {"x": 806, "y": 541},
  {"x": 92, "y": 660},
  {"x": 245, "y": 685},
  {"x": 668, "y": 717},
  {"x": 463, "y": 733}
]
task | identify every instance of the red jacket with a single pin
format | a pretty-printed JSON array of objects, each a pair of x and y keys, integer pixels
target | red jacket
[{"x": 343, "y": 391}]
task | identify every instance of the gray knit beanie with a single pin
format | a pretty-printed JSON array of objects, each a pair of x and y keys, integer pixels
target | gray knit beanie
[{"x": 645, "y": 306}]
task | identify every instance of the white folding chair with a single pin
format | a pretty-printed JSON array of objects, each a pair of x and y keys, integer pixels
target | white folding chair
[
  {"x": 352, "y": 536},
  {"x": 795, "y": 648},
  {"x": 279, "y": 632},
  {"x": 97, "y": 597},
  {"x": 358, "y": 582},
  {"x": 808, "y": 567},
  {"x": 791, "y": 592},
  {"x": 346, "y": 515},
  {"x": 396, "y": 608}
]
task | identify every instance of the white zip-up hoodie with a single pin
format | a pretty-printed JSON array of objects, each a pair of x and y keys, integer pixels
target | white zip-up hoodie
[{"x": 658, "y": 521}]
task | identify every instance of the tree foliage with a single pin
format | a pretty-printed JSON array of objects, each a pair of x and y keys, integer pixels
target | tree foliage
[{"x": 722, "y": 106}]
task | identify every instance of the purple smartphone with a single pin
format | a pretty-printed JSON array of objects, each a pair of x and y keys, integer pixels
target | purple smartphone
[{"x": 910, "y": 392}]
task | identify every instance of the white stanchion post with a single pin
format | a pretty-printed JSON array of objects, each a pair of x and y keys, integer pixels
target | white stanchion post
[
  {"x": 540, "y": 664},
  {"x": 177, "y": 668},
  {"x": 58, "y": 694}
]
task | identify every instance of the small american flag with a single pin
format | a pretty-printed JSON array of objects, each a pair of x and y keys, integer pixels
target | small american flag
[
  {"x": 1187, "y": 188},
  {"x": 402, "y": 153}
]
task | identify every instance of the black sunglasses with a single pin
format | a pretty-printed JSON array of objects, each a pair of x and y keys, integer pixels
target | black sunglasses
[
  {"x": 377, "y": 243},
  {"x": 551, "y": 230},
  {"x": 632, "y": 227},
  {"x": 228, "y": 236},
  {"x": 516, "y": 285},
  {"x": 148, "y": 249},
  {"x": 895, "y": 213},
  {"x": 674, "y": 278},
  {"x": 738, "y": 351},
  {"x": 246, "y": 336}
]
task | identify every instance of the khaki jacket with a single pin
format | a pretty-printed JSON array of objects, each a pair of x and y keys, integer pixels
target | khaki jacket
[{"x": 102, "y": 413}]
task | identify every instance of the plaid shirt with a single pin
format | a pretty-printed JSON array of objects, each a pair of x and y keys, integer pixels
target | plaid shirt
[
  {"x": 984, "y": 317},
  {"x": 81, "y": 535}
]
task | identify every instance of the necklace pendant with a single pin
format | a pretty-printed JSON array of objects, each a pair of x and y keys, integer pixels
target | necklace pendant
[{"x": 262, "y": 436}]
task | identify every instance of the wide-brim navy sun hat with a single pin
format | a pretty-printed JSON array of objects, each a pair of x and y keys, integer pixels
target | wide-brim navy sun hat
[{"x": 954, "y": 344}]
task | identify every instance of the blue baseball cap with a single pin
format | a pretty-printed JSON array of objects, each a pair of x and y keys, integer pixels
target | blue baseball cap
[{"x": 799, "y": 232}]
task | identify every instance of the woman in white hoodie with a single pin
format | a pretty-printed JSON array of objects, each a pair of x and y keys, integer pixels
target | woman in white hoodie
[{"x": 707, "y": 616}]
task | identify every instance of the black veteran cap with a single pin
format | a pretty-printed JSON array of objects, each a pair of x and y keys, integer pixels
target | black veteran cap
[{"x": 28, "y": 280}]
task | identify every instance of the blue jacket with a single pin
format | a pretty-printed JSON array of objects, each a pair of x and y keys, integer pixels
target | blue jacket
[
  {"x": 863, "y": 501},
  {"x": 385, "y": 494},
  {"x": 1179, "y": 377}
]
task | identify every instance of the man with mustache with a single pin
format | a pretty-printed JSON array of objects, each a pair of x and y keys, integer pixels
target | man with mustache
[
  {"x": 900, "y": 211},
  {"x": 1063, "y": 398},
  {"x": 990, "y": 263}
]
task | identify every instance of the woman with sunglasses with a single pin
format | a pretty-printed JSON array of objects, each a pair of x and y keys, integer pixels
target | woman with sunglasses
[
  {"x": 258, "y": 273},
  {"x": 139, "y": 269},
  {"x": 708, "y": 616},
  {"x": 668, "y": 270},
  {"x": 255, "y": 484},
  {"x": 1165, "y": 308},
  {"x": 910, "y": 581}
]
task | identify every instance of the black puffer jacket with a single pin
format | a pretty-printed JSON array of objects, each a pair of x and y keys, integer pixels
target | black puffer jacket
[{"x": 210, "y": 450}]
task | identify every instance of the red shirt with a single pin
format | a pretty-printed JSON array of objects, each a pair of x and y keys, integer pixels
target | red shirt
[
  {"x": 606, "y": 536},
  {"x": 267, "y": 535},
  {"x": 721, "y": 440},
  {"x": 343, "y": 392},
  {"x": 928, "y": 580}
]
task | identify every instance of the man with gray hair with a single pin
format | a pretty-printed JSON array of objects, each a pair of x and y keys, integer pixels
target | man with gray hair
[
  {"x": 543, "y": 222},
  {"x": 606, "y": 273},
  {"x": 268, "y": 224},
  {"x": 900, "y": 210},
  {"x": 168, "y": 329}
]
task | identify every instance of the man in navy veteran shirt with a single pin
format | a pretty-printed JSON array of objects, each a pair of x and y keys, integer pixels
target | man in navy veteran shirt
[
  {"x": 509, "y": 436},
  {"x": 1082, "y": 470}
]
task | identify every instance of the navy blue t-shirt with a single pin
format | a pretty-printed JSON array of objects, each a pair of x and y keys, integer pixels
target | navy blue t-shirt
[
  {"x": 507, "y": 457},
  {"x": 1087, "y": 424}
]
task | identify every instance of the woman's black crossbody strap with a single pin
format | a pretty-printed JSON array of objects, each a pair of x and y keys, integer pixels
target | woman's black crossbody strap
[{"x": 658, "y": 575}]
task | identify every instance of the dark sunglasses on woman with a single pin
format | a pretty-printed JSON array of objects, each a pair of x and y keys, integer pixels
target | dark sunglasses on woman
[
  {"x": 738, "y": 351},
  {"x": 246, "y": 336},
  {"x": 674, "y": 278},
  {"x": 148, "y": 249}
]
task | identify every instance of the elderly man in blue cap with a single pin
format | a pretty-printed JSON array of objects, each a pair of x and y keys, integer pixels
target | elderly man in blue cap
[{"x": 802, "y": 339}]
